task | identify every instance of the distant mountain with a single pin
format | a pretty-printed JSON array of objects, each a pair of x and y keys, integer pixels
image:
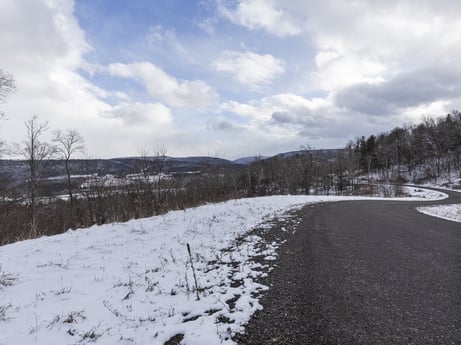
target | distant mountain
[
  {"x": 324, "y": 152},
  {"x": 328, "y": 153},
  {"x": 248, "y": 160},
  {"x": 18, "y": 169},
  {"x": 178, "y": 164},
  {"x": 199, "y": 161}
]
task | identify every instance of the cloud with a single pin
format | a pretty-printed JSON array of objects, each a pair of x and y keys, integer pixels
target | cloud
[
  {"x": 387, "y": 58},
  {"x": 336, "y": 71},
  {"x": 166, "y": 88},
  {"x": 57, "y": 37},
  {"x": 46, "y": 51},
  {"x": 330, "y": 64},
  {"x": 165, "y": 38},
  {"x": 221, "y": 124},
  {"x": 284, "y": 122},
  {"x": 387, "y": 29},
  {"x": 352, "y": 26},
  {"x": 379, "y": 36},
  {"x": 404, "y": 91},
  {"x": 282, "y": 111},
  {"x": 291, "y": 120},
  {"x": 262, "y": 14},
  {"x": 46, "y": 48},
  {"x": 207, "y": 24},
  {"x": 287, "y": 116},
  {"x": 250, "y": 69},
  {"x": 141, "y": 114},
  {"x": 243, "y": 109}
]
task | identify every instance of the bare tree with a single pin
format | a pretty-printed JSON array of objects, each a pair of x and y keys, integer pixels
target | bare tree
[
  {"x": 67, "y": 144},
  {"x": 36, "y": 153},
  {"x": 158, "y": 165},
  {"x": 7, "y": 86}
]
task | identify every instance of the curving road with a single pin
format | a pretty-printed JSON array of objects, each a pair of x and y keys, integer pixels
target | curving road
[{"x": 364, "y": 272}]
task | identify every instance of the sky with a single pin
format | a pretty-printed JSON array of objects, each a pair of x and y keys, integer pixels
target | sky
[{"x": 227, "y": 78}]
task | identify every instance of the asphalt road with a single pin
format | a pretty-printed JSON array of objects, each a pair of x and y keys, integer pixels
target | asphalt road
[{"x": 364, "y": 272}]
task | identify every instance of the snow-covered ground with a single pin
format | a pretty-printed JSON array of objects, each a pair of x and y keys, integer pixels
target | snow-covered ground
[
  {"x": 449, "y": 212},
  {"x": 133, "y": 282},
  {"x": 425, "y": 194}
]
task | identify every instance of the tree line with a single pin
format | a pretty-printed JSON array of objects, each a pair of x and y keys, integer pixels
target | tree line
[
  {"x": 416, "y": 152},
  {"x": 424, "y": 152}
]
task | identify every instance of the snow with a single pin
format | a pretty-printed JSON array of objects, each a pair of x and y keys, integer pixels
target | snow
[
  {"x": 426, "y": 194},
  {"x": 112, "y": 181},
  {"x": 132, "y": 283},
  {"x": 449, "y": 212}
]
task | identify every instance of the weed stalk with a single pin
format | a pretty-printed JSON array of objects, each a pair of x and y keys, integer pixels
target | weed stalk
[{"x": 193, "y": 271}]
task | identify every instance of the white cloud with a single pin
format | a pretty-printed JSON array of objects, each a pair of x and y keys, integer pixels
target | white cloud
[
  {"x": 335, "y": 71},
  {"x": 122, "y": 96},
  {"x": 366, "y": 43},
  {"x": 45, "y": 48},
  {"x": 48, "y": 28},
  {"x": 288, "y": 121},
  {"x": 141, "y": 114},
  {"x": 400, "y": 32},
  {"x": 285, "y": 117},
  {"x": 264, "y": 108},
  {"x": 262, "y": 14},
  {"x": 284, "y": 122},
  {"x": 349, "y": 26},
  {"x": 250, "y": 69},
  {"x": 361, "y": 58},
  {"x": 246, "y": 110},
  {"x": 166, "y": 88},
  {"x": 404, "y": 91}
]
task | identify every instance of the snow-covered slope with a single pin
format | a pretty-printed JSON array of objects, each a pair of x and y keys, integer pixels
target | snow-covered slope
[{"x": 133, "y": 283}]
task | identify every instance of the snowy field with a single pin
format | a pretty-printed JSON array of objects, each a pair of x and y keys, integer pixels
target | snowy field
[{"x": 133, "y": 282}]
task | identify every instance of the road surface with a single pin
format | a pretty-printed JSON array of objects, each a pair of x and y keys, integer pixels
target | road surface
[{"x": 364, "y": 272}]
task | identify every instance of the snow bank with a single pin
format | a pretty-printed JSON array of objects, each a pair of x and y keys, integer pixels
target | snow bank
[{"x": 449, "y": 212}]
